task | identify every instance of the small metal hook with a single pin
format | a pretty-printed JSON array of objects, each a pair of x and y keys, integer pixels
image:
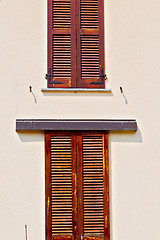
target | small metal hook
[{"x": 121, "y": 89}]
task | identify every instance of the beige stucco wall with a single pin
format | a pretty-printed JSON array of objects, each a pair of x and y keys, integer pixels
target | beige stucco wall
[{"x": 132, "y": 61}]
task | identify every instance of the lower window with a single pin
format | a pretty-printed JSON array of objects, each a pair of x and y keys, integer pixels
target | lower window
[{"x": 77, "y": 185}]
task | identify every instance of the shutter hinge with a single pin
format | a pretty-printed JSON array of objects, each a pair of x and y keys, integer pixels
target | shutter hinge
[
  {"x": 102, "y": 76},
  {"x": 49, "y": 75}
]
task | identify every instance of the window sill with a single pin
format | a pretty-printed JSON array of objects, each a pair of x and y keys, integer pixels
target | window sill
[{"x": 76, "y": 90}]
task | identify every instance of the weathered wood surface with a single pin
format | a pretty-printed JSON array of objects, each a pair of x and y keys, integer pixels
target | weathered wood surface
[{"x": 77, "y": 185}]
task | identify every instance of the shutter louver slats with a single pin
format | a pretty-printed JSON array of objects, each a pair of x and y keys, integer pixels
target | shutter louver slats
[
  {"x": 89, "y": 14},
  {"x": 76, "y": 43},
  {"x": 90, "y": 55},
  {"x": 62, "y": 57},
  {"x": 61, "y": 186},
  {"x": 60, "y": 42},
  {"x": 93, "y": 186},
  {"x": 62, "y": 14},
  {"x": 77, "y": 187}
]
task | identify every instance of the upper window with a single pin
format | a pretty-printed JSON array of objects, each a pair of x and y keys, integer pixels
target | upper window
[{"x": 75, "y": 44}]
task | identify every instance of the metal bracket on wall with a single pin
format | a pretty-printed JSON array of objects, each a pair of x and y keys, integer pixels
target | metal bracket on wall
[
  {"x": 49, "y": 75},
  {"x": 102, "y": 76}
]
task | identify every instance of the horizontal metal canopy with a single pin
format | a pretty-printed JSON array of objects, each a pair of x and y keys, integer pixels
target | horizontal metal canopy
[{"x": 75, "y": 125}]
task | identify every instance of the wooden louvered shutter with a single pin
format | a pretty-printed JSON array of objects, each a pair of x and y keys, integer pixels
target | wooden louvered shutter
[
  {"x": 62, "y": 43},
  {"x": 61, "y": 211},
  {"x": 76, "y": 43},
  {"x": 93, "y": 186},
  {"x": 90, "y": 43},
  {"x": 77, "y": 186}
]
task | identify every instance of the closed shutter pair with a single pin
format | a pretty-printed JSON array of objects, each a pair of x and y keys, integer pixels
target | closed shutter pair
[
  {"x": 77, "y": 186},
  {"x": 76, "y": 44}
]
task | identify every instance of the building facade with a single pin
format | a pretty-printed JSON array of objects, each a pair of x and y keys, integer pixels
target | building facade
[{"x": 131, "y": 92}]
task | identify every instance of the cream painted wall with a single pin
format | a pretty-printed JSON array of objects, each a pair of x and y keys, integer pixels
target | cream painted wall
[{"x": 132, "y": 61}]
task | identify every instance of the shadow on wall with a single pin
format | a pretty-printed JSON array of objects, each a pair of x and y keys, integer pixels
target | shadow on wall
[
  {"x": 125, "y": 136},
  {"x": 31, "y": 136},
  {"x": 119, "y": 137},
  {"x": 115, "y": 136}
]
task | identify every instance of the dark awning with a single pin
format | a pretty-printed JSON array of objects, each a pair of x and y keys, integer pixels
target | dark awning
[{"x": 75, "y": 124}]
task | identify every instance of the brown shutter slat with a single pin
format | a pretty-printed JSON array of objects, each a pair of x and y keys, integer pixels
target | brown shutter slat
[
  {"x": 93, "y": 206},
  {"x": 62, "y": 14},
  {"x": 89, "y": 14},
  {"x": 89, "y": 57},
  {"x": 62, "y": 58},
  {"x": 61, "y": 43},
  {"x": 61, "y": 185},
  {"x": 90, "y": 43}
]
